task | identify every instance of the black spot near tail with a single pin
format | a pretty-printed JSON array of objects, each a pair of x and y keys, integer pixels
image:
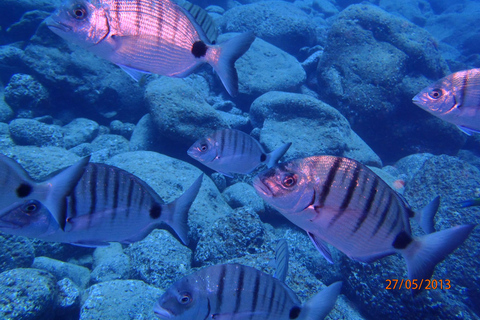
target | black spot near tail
[
  {"x": 294, "y": 312},
  {"x": 402, "y": 240},
  {"x": 155, "y": 211},
  {"x": 263, "y": 157},
  {"x": 24, "y": 190},
  {"x": 199, "y": 49}
]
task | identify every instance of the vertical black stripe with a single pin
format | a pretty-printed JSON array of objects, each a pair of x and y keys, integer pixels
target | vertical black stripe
[
  {"x": 397, "y": 218},
  {"x": 222, "y": 142},
  {"x": 383, "y": 216},
  {"x": 138, "y": 16},
  {"x": 328, "y": 182},
  {"x": 129, "y": 195},
  {"x": 116, "y": 4},
  {"x": 272, "y": 297},
  {"x": 221, "y": 286},
  {"x": 368, "y": 203},
  {"x": 239, "y": 290},
  {"x": 236, "y": 137},
  {"x": 93, "y": 188},
  {"x": 116, "y": 186},
  {"x": 105, "y": 178},
  {"x": 348, "y": 195},
  {"x": 255, "y": 294}
]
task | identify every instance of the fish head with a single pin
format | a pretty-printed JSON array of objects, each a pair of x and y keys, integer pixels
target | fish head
[
  {"x": 438, "y": 99},
  {"x": 82, "y": 22},
  {"x": 28, "y": 218},
  {"x": 183, "y": 300},
  {"x": 204, "y": 150},
  {"x": 286, "y": 187}
]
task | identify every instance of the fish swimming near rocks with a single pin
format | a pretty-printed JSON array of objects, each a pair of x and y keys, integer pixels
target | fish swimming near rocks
[
  {"x": 342, "y": 202},
  {"x": 455, "y": 99},
  {"x": 88, "y": 204},
  {"x": 230, "y": 151},
  {"x": 470, "y": 203},
  {"x": 150, "y": 36},
  {"x": 233, "y": 291}
]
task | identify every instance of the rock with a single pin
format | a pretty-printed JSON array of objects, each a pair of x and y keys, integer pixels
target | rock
[
  {"x": 265, "y": 68},
  {"x": 371, "y": 67},
  {"x": 159, "y": 259},
  {"x": 27, "y": 294},
  {"x": 82, "y": 150},
  {"x": 277, "y": 22},
  {"x": 219, "y": 180},
  {"x": 15, "y": 252},
  {"x": 35, "y": 133},
  {"x": 6, "y": 141},
  {"x": 110, "y": 263},
  {"x": 234, "y": 121},
  {"x": 79, "y": 131},
  {"x": 68, "y": 300},
  {"x": 106, "y": 146},
  {"x": 328, "y": 132},
  {"x": 180, "y": 111},
  {"x": 78, "y": 274},
  {"x": 120, "y": 300},
  {"x": 416, "y": 11},
  {"x": 6, "y": 113},
  {"x": 26, "y": 26},
  {"x": 145, "y": 135},
  {"x": 10, "y": 62},
  {"x": 410, "y": 165},
  {"x": 243, "y": 195},
  {"x": 238, "y": 234},
  {"x": 170, "y": 177},
  {"x": 26, "y": 96},
  {"x": 122, "y": 129}
]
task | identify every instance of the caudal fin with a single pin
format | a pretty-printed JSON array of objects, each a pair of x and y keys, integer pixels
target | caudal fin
[
  {"x": 276, "y": 154},
  {"x": 281, "y": 260},
  {"x": 178, "y": 210},
  {"x": 424, "y": 253},
  {"x": 322, "y": 303},
  {"x": 230, "y": 51},
  {"x": 425, "y": 216}
]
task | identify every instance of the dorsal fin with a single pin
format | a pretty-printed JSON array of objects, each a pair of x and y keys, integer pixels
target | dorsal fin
[{"x": 203, "y": 19}]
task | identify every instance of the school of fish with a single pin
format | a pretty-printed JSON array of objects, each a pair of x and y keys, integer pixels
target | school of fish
[{"x": 337, "y": 201}]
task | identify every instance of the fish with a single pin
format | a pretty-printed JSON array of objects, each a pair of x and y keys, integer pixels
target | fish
[
  {"x": 341, "y": 202},
  {"x": 234, "y": 291},
  {"x": 230, "y": 151},
  {"x": 454, "y": 99},
  {"x": 150, "y": 36},
  {"x": 88, "y": 204},
  {"x": 281, "y": 260},
  {"x": 470, "y": 203}
]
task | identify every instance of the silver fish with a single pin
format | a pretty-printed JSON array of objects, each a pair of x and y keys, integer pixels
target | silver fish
[
  {"x": 230, "y": 151},
  {"x": 149, "y": 36},
  {"x": 341, "y": 202},
  {"x": 88, "y": 204},
  {"x": 233, "y": 291},
  {"x": 455, "y": 99}
]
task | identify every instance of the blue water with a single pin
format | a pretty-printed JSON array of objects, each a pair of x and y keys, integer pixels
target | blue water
[{"x": 332, "y": 77}]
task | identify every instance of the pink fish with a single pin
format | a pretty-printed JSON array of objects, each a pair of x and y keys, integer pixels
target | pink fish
[{"x": 150, "y": 36}]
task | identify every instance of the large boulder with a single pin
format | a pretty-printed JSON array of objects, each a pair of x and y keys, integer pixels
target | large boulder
[{"x": 372, "y": 66}]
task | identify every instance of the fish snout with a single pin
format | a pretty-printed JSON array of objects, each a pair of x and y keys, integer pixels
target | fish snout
[
  {"x": 54, "y": 23},
  {"x": 261, "y": 187},
  {"x": 162, "y": 313}
]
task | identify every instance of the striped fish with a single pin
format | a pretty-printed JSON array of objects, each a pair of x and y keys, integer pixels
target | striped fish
[
  {"x": 88, "y": 204},
  {"x": 341, "y": 202},
  {"x": 237, "y": 292},
  {"x": 281, "y": 260},
  {"x": 455, "y": 99},
  {"x": 150, "y": 36},
  {"x": 230, "y": 151}
]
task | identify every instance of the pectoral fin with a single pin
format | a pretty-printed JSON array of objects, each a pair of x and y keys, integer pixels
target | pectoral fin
[{"x": 321, "y": 246}]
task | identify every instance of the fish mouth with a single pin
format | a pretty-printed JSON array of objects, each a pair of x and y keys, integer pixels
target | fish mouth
[
  {"x": 261, "y": 187},
  {"x": 161, "y": 313},
  {"x": 57, "y": 25}
]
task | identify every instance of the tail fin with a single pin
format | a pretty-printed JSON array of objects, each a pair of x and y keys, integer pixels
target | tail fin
[
  {"x": 322, "y": 303},
  {"x": 230, "y": 51},
  {"x": 424, "y": 253},
  {"x": 425, "y": 216},
  {"x": 178, "y": 209},
  {"x": 281, "y": 260},
  {"x": 276, "y": 154},
  {"x": 60, "y": 186}
]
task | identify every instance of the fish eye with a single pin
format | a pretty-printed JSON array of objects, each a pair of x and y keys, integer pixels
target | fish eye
[
  {"x": 435, "y": 93},
  {"x": 185, "y": 298},
  {"x": 203, "y": 147},
  {"x": 79, "y": 12},
  {"x": 289, "y": 181},
  {"x": 31, "y": 207}
]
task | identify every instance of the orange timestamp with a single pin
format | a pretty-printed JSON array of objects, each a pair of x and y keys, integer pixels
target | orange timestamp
[{"x": 418, "y": 284}]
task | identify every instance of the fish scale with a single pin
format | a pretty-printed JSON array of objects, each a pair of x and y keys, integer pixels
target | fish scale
[{"x": 340, "y": 201}]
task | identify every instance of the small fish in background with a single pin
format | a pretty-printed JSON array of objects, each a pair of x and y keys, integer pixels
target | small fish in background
[
  {"x": 233, "y": 291},
  {"x": 281, "y": 260},
  {"x": 88, "y": 204},
  {"x": 150, "y": 36},
  {"x": 470, "y": 203},
  {"x": 342, "y": 202},
  {"x": 230, "y": 151},
  {"x": 455, "y": 99}
]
